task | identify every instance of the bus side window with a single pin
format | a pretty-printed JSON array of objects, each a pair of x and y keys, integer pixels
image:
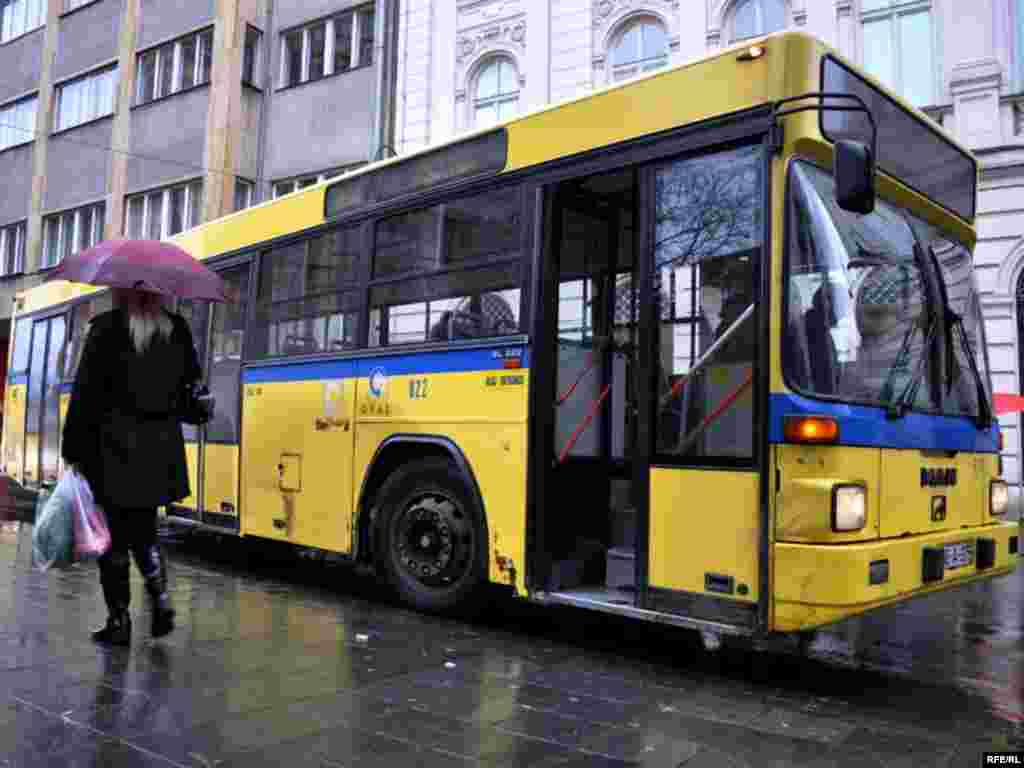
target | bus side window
[
  {"x": 460, "y": 264},
  {"x": 307, "y": 299}
]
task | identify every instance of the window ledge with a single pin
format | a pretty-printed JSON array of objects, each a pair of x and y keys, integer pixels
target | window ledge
[
  {"x": 252, "y": 86},
  {"x": 76, "y": 126},
  {"x": 293, "y": 86},
  {"x": 169, "y": 96},
  {"x": 19, "y": 145},
  {"x": 7, "y": 276},
  {"x": 64, "y": 14},
  {"x": 23, "y": 34}
]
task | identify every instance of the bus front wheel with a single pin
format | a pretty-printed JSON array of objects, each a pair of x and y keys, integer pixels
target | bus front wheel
[{"x": 432, "y": 547}]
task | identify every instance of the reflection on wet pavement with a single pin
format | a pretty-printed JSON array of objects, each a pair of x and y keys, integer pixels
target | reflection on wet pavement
[{"x": 281, "y": 661}]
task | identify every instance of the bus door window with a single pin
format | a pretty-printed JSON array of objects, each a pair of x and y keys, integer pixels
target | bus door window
[
  {"x": 225, "y": 361},
  {"x": 708, "y": 234},
  {"x": 14, "y": 419},
  {"x": 197, "y": 315}
]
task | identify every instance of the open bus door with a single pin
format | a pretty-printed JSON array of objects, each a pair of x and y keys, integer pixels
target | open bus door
[
  {"x": 213, "y": 450},
  {"x": 649, "y": 465}
]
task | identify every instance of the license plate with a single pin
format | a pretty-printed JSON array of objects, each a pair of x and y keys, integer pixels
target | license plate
[{"x": 958, "y": 554}]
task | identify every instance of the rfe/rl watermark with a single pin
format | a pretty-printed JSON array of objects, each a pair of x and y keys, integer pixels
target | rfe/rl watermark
[{"x": 1003, "y": 758}]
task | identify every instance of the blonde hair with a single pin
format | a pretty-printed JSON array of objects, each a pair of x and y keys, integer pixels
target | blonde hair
[{"x": 146, "y": 316}]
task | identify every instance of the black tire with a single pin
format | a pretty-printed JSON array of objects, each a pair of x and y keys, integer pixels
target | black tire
[{"x": 431, "y": 537}]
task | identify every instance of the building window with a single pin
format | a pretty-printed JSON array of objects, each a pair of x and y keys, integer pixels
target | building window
[
  {"x": 497, "y": 92},
  {"x": 18, "y": 123},
  {"x": 72, "y": 231},
  {"x": 754, "y": 18},
  {"x": 327, "y": 47},
  {"x": 641, "y": 46},
  {"x": 251, "y": 56},
  {"x": 899, "y": 47},
  {"x": 20, "y": 16},
  {"x": 87, "y": 98},
  {"x": 293, "y": 185},
  {"x": 243, "y": 194},
  {"x": 12, "y": 249},
  {"x": 174, "y": 66},
  {"x": 165, "y": 212}
]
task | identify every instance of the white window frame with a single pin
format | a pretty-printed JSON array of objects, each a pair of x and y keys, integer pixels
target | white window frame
[
  {"x": 99, "y": 214},
  {"x": 87, "y": 108},
  {"x": 891, "y": 14},
  {"x": 355, "y": 63},
  {"x": 732, "y": 22},
  {"x": 177, "y": 66},
  {"x": 619, "y": 72},
  {"x": 19, "y": 133},
  {"x": 17, "y": 233},
  {"x": 165, "y": 210},
  {"x": 33, "y": 17},
  {"x": 250, "y": 192},
  {"x": 475, "y": 103},
  {"x": 314, "y": 178}
]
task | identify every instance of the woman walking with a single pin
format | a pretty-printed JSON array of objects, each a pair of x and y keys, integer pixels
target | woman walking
[{"x": 123, "y": 434}]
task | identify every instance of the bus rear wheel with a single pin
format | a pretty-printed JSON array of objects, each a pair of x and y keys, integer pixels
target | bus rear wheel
[{"x": 432, "y": 546}]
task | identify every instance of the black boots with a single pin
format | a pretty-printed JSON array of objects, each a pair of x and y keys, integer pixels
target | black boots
[
  {"x": 156, "y": 586},
  {"x": 116, "y": 594},
  {"x": 118, "y": 630}
]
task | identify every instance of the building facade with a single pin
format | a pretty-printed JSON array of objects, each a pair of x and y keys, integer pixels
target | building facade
[
  {"x": 465, "y": 63},
  {"x": 142, "y": 118}
]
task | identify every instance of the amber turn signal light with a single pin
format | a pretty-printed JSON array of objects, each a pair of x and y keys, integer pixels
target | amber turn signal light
[{"x": 811, "y": 429}]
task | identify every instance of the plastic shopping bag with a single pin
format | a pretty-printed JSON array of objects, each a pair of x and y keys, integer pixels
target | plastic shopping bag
[
  {"x": 91, "y": 534},
  {"x": 53, "y": 532}
]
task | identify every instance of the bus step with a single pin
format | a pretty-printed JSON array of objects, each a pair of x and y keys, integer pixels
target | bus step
[{"x": 621, "y": 564}]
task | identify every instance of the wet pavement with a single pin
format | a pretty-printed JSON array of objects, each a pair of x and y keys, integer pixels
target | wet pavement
[{"x": 287, "y": 661}]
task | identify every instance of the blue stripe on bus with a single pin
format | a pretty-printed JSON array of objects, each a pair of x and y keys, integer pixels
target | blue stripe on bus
[
  {"x": 66, "y": 387},
  {"x": 866, "y": 426},
  {"x": 441, "y": 361}
]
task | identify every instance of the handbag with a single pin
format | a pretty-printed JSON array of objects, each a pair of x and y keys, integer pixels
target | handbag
[{"x": 196, "y": 404}]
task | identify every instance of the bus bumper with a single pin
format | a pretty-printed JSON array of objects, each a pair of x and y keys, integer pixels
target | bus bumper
[{"x": 821, "y": 584}]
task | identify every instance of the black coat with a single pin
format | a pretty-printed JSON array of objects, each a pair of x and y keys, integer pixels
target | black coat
[{"x": 121, "y": 428}]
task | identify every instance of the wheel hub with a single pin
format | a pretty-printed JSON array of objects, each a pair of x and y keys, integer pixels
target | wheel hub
[{"x": 433, "y": 540}]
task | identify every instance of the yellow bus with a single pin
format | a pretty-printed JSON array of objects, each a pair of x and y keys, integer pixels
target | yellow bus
[{"x": 701, "y": 348}]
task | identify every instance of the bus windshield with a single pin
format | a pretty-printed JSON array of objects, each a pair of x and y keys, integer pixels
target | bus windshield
[{"x": 867, "y": 300}]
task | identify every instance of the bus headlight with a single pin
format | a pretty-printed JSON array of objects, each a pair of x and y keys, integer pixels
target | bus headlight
[
  {"x": 998, "y": 498},
  {"x": 849, "y": 507}
]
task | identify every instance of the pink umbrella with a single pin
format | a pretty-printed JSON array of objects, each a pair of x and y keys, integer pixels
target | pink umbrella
[{"x": 146, "y": 265}]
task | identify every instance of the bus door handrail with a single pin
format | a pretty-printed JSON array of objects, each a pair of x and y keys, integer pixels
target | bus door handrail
[{"x": 703, "y": 360}]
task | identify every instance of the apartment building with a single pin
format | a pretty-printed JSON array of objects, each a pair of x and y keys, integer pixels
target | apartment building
[
  {"x": 465, "y": 63},
  {"x": 142, "y": 118}
]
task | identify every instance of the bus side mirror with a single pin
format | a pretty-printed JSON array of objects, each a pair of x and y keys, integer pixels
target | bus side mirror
[{"x": 855, "y": 176}]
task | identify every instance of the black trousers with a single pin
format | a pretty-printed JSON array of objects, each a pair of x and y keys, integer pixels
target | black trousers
[{"x": 131, "y": 531}]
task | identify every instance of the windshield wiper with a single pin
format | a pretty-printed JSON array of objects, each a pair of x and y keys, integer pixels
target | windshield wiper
[
  {"x": 899, "y": 406},
  {"x": 984, "y": 415}
]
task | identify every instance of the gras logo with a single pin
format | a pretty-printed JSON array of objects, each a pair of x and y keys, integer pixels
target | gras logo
[{"x": 378, "y": 382}]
